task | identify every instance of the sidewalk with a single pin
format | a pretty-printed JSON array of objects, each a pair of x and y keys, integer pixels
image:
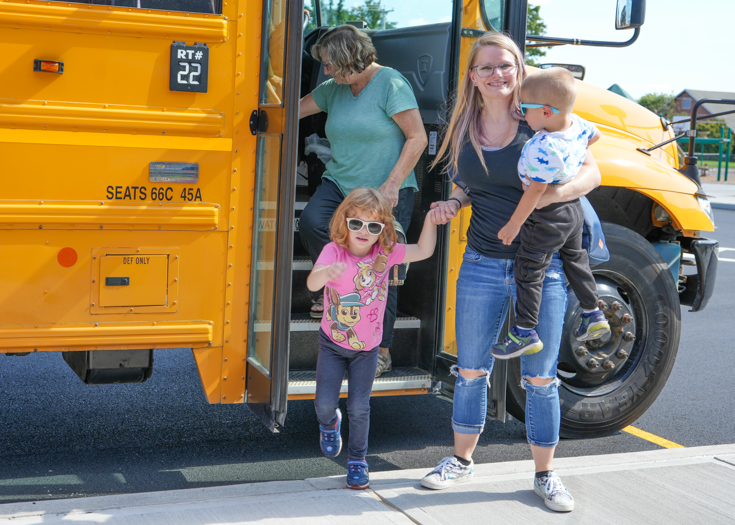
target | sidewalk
[
  {"x": 694, "y": 485},
  {"x": 722, "y": 196}
]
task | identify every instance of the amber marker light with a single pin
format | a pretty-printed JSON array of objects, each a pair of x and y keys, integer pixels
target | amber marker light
[{"x": 48, "y": 66}]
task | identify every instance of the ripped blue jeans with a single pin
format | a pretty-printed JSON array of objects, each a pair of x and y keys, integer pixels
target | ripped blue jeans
[{"x": 484, "y": 290}]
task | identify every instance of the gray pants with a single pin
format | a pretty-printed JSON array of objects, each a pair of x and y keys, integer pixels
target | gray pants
[{"x": 557, "y": 227}]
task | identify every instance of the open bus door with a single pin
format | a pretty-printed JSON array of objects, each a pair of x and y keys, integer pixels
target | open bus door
[{"x": 275, "y": 122}]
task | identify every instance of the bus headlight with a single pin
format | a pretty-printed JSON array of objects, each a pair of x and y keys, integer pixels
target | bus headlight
[{"x": 706, "y": 206}]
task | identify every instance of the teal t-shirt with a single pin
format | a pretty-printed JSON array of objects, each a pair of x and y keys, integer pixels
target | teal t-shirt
[{"x": 366, "y": 142}]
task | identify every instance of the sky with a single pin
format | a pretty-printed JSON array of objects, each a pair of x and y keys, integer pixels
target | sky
[{"x": 683, "y": 44}]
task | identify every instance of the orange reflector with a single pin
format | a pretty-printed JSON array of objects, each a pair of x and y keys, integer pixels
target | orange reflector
[
  {"x": 48, "y": 66},
  {"x": 67, "y": 257}
]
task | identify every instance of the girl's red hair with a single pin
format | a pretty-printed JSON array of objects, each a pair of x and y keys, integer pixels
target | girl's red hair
[{"x": 371, "y": 202}]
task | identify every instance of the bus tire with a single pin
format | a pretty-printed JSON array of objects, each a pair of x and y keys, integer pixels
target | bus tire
[{"x": 640, "y": 352}]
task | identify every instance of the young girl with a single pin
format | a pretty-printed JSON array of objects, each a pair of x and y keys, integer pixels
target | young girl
[{"x": 354, "y": 265}]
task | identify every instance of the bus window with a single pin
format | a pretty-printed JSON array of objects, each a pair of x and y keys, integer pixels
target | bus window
[
  {"x": 272, "y": 67},
  {"x": 188, "y": 6},
  {"x": 379, "y": 15},
  {"x": 493, "y": 14}
]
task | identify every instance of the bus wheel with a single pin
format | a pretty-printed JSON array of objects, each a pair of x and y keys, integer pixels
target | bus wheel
[{"x": 609, "y": 383}]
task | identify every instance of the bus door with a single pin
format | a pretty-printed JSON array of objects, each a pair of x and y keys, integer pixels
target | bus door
[
  {"x": 275, "y": 124},
  {"x": 470, "y": 20}
]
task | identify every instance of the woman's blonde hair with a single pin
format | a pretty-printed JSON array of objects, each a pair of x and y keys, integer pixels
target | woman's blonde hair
[
  {"x": 466, "y": 113},
  {"x": 365, "y": 200},
  {"x": 348, "y": 50}
]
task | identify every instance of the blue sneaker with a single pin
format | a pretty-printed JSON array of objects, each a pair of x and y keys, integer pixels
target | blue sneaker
[
  {"x": 514, "y": 345},
  {"x": 593, "y": 326},
  {"x": 357, "y": 475},
  {"x": 330, "y": 439}
]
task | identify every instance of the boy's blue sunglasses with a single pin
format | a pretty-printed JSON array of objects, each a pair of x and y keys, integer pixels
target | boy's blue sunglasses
[{"x": 533, "y": 106}]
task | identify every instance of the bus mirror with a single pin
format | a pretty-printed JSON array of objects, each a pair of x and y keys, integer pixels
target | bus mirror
[
  {"x": 576, "y": 70},
  {"x": 630, "y": 14}
]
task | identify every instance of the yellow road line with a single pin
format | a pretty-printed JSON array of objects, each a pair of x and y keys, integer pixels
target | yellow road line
[{"x": 652, "y": 438}]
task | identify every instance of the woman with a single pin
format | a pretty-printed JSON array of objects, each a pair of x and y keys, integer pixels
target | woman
[
  {"x": 376, "y": 135},
  {"x": 483, "y": 143}
]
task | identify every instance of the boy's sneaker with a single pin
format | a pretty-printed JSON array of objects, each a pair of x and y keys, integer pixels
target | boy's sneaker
[
  {"x": 448, "y": 472},
  {"x": 515, "y": 345},
  {"x": 330, "y": 439},
  {"x": 552, "y": 491},
  {"x": 593, "y": 326},
  {"x": 357, "y": 475}
]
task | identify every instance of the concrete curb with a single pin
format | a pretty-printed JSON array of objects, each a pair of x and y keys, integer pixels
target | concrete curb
[{"x": 334, "y": 486}]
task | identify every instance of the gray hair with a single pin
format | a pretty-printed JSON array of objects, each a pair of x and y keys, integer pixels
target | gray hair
[{"x": 348, "y": 50}]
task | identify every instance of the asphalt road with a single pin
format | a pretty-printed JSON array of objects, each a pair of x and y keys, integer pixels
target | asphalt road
[{"x": 60, "y": 438}]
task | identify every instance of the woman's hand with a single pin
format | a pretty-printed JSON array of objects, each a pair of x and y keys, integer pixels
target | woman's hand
[
  {"x": 389, "y": 191},
  {"x": 587, "y": 179},
  {"x": 442, "y": 212}
]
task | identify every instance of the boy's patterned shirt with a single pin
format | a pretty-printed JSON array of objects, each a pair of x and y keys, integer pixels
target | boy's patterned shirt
[{"x": 555, "y": 157}]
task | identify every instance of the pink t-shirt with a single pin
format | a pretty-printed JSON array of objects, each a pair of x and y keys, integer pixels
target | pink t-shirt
[{"x": 354, "y": 305}]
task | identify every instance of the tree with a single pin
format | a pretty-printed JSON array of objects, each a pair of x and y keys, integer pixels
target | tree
[
  {"x": 659, "y": 103},
  {"x": 535, "y": 25},
  {"x": 371, "y": 12}
]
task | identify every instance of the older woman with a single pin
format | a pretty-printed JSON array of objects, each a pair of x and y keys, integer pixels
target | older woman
[
  {"x": 376, "y": 134},
  {"x": 483, "y": 144}
]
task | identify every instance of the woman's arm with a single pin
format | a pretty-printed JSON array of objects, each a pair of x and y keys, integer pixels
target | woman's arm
[
  {"x": 587, "y": 179},
  {"x": 427, "y": 241},
  {"x": 410, "y": 123},
  {"x": 444, "y": 211},
  {"x": 307, "y": 106}
]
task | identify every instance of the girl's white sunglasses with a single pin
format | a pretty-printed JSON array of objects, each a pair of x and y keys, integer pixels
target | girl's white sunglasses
[{"x": 374, "y": 228}]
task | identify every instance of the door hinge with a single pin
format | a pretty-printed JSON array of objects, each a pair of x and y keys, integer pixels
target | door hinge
[{"x": 258, "y": 122}]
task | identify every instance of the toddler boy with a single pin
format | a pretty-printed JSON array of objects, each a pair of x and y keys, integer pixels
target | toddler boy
[{"x": 553, "y": 156}]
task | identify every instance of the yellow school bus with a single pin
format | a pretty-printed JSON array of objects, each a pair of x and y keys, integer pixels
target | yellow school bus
[{"x": 154, "y": 169}]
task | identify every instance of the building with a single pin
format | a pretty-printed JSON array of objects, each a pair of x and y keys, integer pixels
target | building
[{"x": 684, "y": 102}]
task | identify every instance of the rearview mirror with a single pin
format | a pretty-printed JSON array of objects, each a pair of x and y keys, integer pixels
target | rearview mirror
[
  {"x": 630, "y": 14},
  {"x": 576, "y": 70}
]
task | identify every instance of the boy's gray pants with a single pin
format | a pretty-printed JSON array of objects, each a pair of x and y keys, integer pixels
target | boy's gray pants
[{"x": 557, "y": 227}]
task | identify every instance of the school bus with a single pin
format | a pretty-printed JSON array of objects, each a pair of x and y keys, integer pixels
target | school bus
[{"x": 154, "y": 170}]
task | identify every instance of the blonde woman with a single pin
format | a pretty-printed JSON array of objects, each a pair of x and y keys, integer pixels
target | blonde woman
[
  {"x": 376, "y": 134},
  {"x": 482, "y": 145}
]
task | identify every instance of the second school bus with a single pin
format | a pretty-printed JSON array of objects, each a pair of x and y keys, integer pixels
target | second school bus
[{"x": 150, "y": 199}]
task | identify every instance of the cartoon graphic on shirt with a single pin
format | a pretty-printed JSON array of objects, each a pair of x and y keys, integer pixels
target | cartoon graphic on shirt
[
  {"x": 367, "y": 284},
  {"x": 344, "y": 313}
]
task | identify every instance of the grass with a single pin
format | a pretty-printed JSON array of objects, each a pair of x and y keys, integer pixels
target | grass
[{"x": 713, "y": 163}]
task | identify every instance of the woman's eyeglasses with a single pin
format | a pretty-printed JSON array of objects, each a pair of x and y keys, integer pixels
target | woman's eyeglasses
[
  {"x": 487, "y": 70},
  {"x": 534, "y": 106},
  {"x": 373, "y": 228}
]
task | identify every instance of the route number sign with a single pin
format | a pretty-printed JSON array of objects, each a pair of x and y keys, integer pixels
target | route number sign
[{"x": 189, "y": 67}]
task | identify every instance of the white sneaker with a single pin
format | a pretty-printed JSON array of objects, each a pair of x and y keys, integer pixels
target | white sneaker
[
  {"x": 552, "y": 491},
  {"x": 448, "y": 472}
]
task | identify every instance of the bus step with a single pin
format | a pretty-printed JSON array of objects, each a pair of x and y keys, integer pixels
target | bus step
[
  {"x": 304, "y": 323},
  {"x": 299, "y": 263},
  {"x": 303, "y": 382}
]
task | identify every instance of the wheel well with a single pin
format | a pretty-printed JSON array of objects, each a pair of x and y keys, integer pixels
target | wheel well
[{"x": 625, "y": 207}]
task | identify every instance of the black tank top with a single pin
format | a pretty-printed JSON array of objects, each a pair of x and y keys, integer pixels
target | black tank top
[{"x": 494, "y": 194}]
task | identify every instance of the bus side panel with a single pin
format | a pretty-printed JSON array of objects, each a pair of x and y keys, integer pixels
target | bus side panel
[{"x": 88, "y": 137}]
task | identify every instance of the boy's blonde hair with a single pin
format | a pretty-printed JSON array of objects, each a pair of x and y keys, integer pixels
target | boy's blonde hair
[
  {"x": 555, "y": 87},
  {"x": 369, "y": 201},
  {"x": 348, "y": 50}
]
